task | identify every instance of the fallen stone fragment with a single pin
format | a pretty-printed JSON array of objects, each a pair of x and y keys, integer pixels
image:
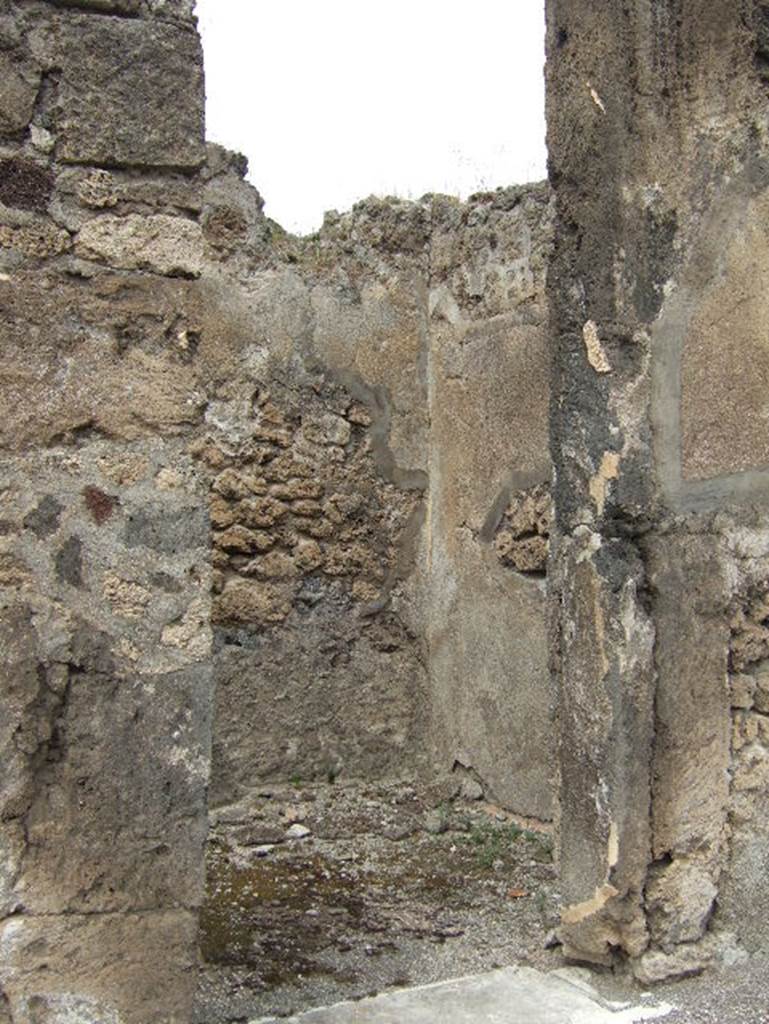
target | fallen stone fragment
[
  {"x": 435, "y": 822},
  {"x": 472, "y": 790},
  {"x": 298, "y": 831}
]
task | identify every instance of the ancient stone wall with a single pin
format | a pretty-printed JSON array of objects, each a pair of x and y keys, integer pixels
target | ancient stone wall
[
  {"x": 107, "y": 697},
  {"x": 269, "y": 507},
  {"x": 360, "y": 486},
  {"x": 276, "y": 508},
  {"x": 403, "y": 414},
  {"x": 657, "y": 136}
]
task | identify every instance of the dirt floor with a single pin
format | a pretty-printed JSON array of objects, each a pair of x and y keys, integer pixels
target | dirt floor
[
  {"x": 727, "y": 995},
  {"x": 328, "y": 892}
]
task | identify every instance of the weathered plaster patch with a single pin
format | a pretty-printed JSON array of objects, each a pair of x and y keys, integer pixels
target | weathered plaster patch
[
  {"x": 609, "y": 470},
  {"x": 596, "y": 99},
  {"x": 595, "y": 351},
  {"x": 581, "y": 911},
  {"x": 613, "y": 846},
  {"x": 168, "y": 479},
  {"x": 129, "y": 600},
  {"x": 191, "y": 633},
  {"x": 591, "y": 544},
  {"x": 73, "y": 1009}
]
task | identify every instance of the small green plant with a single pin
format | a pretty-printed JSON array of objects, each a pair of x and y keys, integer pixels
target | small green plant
[
  {"x": 542, "y": 845},
  {"x": 296, "y": 781},
  {"x": 492, "y": 842}
]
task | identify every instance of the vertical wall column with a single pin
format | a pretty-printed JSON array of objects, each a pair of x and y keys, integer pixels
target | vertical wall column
[
  {"x": 105, "y": 669},
  {"x": 656, "y": 135}
]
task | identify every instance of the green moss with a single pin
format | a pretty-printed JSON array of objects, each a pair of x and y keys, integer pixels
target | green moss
[
  {"x": 493, "y": 842},
  {"x": 255, "y": 915}
]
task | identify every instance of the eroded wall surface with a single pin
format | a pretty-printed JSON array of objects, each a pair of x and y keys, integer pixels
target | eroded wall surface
[
  {"x": 657, "y": 135},
  {"x": 404, "y": 411},
  {"x": 106, "y": 704},
  {"x": 269, "y": 507},
  {"x": 490, "y": 495}
]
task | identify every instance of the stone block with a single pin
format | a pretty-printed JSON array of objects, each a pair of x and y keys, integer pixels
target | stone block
[
  {"x": 19, "y": 85},
  {"x": 172, "y": 9},
  {"x": 761, "y": 696},
  {"x": 107, "y": 364},
  {"x": 130, "y": 93},
  {"x": 744, "y": 896},
  {"x": 103, "y": 969},
  {"x": 34, "y": 241},
  {"x": 679, "y": 901},
  {"x": 743, "y": 691},
  {"x": 167, "y": 532},
  {"x": 682, "y": 962},
  {"x": 161, "y": 244},
  {"x": 251, "y": 603},
  {"x": 117, "y": 821},
  {"x": 103, "y": 6}
]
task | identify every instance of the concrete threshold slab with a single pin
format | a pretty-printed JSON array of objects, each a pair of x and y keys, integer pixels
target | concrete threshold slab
[{"x": 512, "y": 995}]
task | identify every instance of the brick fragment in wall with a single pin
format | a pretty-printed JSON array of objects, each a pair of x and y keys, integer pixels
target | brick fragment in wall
[
  {"x": 761, "y": 693},
  {"x": 36, "y": 241},
  {"x": 750, "y": 631},
  {"x": 522, "y": 537}
]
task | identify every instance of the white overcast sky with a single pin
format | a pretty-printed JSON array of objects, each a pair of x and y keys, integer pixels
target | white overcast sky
[{"x": 333, "y": 100}]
